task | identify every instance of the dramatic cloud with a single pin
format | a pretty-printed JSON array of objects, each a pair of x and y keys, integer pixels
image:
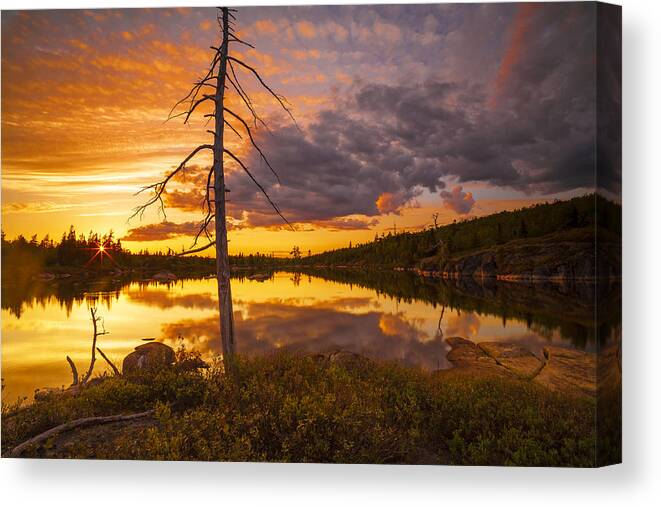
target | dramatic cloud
[
  {"x": 388, "y": 202},
  {"x": 161, "y": 231},
  {"x": 395, "y": 103},
  {"x": 458, "y": 201}
]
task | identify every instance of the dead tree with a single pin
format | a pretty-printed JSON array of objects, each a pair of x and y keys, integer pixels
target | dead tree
[
  {"x": 81, "y": 381},
  {"x": 222, "y": 75}
]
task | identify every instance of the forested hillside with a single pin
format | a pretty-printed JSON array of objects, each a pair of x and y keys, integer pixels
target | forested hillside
[
  {"x": 408, "y": 249},
  {"x": 524, "y": 233}
]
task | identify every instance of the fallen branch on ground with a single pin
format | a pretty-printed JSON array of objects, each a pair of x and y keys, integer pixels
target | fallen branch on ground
[{"x": 77, "y": 423}]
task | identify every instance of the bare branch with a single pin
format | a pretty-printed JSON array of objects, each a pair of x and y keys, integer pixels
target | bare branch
[
  {"x": 203, "y": 227},
  {"x": 110, "y": 363},
  {"x": 234, "y": 38},
  {"x": 268, "y": 88},
  {"x": 95, "y": 320},
  {"x": 196, "y": 250},
  {"x": 233, "y": 129},
  {"x": 252, "y": 140},
  {"x": 74, "y": 371},
  {"x": 159, "y": 187},
  {"x": 236, "y": 84},
  {"x": 190, "y": 111},
  {"x": 192, "y": 94},
  {"x": 261, "y": 188}
]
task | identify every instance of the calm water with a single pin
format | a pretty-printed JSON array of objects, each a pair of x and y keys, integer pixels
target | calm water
[{"x": 393, "y": 316}]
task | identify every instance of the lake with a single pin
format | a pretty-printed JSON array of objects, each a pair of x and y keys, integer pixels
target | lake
[{"x": 387, "y": 315}]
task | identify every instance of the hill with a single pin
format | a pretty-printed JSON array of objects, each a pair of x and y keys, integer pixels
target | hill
[{"x": 559, "y": 239}]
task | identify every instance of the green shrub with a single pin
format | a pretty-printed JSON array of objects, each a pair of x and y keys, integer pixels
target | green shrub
[{"x": 286, "y": 407}]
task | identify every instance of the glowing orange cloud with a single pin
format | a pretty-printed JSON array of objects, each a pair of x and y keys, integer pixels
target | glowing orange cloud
[{"x": 387, "y": 202}]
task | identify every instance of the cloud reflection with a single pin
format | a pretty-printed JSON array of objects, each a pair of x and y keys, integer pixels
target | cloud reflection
[
  {"x": 163, "y": 299},
  {"x": 267, "y": 326}
]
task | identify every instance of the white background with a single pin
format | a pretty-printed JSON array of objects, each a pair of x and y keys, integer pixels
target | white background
[{"x": 636, "y": 482}]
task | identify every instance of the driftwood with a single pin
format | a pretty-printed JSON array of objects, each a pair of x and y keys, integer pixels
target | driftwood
[
  {"x": 110, "y": 363},
  {"x": 74, "y": 371},
  {"x": 77, "y": 423}
]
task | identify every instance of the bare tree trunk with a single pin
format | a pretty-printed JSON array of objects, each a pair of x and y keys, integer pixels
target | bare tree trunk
[
  {"x": 222, "y": 256},
  {"x": 195, "y": 97}
]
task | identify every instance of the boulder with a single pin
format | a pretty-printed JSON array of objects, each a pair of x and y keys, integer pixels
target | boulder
[
  {"x": 151, "y": 356},
  {"x": 466, "y": 354},
  {"x": 563, "y": 370},
  {"x": 568, "y": 370},
  {"x": 515, "y": 358}
]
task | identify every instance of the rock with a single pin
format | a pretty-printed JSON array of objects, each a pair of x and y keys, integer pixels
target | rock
[
  {"x": 568, "y": 370},
  {"x": 148, "y": 357},
  {"x": 164, "y": 276},
  {"x": 515, "y": 358},
  {"x": 563, "y": 370},
  {"x": 465, "y": 354}
]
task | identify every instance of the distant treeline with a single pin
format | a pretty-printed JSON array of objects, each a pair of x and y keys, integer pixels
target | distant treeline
[
  {"x": 21, "y": 257},
  {"x": 408, "y": 248},
  {"x": 73, "y": 252}
]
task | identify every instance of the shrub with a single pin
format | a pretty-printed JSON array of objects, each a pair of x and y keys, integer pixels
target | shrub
[{"x": 287, "y": 407}]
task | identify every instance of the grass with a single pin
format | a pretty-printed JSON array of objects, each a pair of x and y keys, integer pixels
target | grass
[{"x": 290, "y": 408}]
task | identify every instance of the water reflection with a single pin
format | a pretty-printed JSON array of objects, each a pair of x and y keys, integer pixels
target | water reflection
[{"x": 391, "y": 316}]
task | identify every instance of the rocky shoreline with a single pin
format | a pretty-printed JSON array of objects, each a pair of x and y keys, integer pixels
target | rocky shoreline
[{"x": 560, "y": 369}]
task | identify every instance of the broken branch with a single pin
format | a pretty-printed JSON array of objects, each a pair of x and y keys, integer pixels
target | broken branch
[
  {"x": 196, "y": 250},
  {"x": 252, "y": 140},
  {"x": 159, "y": 187},
  {"x": 267, "y": 87},
  {"x": 74, "y": 371},
  {"x": 110, "y": 363},
  {"x": 77, "y": 423},
  {"x": 261, "y": 188}
]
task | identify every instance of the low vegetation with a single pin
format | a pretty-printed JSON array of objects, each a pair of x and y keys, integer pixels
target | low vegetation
[{"x": 287, "y": 407}]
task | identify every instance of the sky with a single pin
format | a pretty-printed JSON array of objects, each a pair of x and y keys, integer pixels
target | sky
[{"x": 401, "y": 112}]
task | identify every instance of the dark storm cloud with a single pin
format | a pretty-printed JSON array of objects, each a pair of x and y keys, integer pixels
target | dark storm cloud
[
  {"x": 530, "y": 127},
  {"x": 609, "y": 99},
  {"x": 458, "y": 201},
  {"x": 514, "y": 110}
]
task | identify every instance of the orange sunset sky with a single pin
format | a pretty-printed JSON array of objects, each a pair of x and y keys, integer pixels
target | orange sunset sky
[{"x": 458, "y": 109}]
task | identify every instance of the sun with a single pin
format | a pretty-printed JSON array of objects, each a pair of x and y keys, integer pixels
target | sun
[{"x": 99, "y": 252}]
